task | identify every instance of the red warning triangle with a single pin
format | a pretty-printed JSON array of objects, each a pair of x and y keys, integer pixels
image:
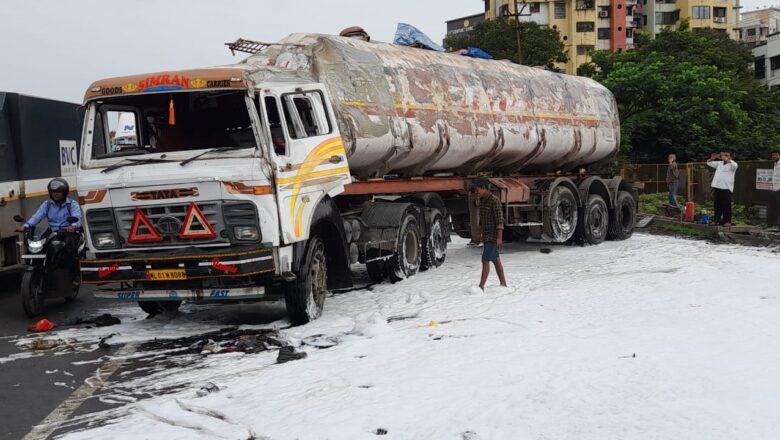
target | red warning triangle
[
  {"x": 138, "y": 236},
  {"x": 189, "y": 231}
]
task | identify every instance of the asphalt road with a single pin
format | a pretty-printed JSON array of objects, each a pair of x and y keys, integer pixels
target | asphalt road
[
  {"x": 32, "y": 387},
  {"x": 28, "y": 392}
]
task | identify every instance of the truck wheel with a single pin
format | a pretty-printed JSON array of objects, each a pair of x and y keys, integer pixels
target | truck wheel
[
  {"x": 33, "y": 296},
  {"x": 593, "y": 222},
  {"x": 560, "y": 218},
  {"x": 621, "y": 222},
  {"x": 376, "y": 268},
  {"x": 434, "y": 249},
  {"x": 305, "y": 297},
  {"x": 405, "y": 262}
]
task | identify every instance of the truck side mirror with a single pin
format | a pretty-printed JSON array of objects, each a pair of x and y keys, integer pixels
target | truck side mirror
[{"x": 18, "y": 218}]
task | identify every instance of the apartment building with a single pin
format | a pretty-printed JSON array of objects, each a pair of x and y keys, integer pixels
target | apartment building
[
  {"x": 767, "y": 60},
  {"x": 584, "y": 25},
  {"x": 702, "y": 14},
  {"x": 756, "y": 26}
]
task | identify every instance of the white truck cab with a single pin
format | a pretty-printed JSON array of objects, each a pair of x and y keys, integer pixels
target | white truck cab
[{"x": 208, "y": 195}]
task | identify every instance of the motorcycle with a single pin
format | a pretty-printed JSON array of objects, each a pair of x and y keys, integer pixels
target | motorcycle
[{"x": 50, "y": 271}]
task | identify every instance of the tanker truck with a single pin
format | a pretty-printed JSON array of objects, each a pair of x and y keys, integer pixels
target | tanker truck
[{"x": 270, "y": 179}]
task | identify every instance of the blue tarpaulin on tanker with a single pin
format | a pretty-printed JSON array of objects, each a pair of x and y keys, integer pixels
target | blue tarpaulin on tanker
[
  {"x": 476, "y": 52},
  {"x": 408, "y": 35}
]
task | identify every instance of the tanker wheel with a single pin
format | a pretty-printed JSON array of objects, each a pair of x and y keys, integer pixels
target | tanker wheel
[
  {"x": 305, "y": 297},
  {"x": 621, "y": 222},
  {"x": 560, "y": 217},
  {"x": 405, "y": 262},
  {"x": 593, "y": 222},
  {"x": 376, "y": 268},
  {"x": 434, "y": 248}
]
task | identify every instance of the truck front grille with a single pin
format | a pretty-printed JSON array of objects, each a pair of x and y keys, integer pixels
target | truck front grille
[{"x": 167, "y": 219}]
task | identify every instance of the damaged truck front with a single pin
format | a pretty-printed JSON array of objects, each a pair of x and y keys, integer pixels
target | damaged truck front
[{"x": 184, "y": 208}]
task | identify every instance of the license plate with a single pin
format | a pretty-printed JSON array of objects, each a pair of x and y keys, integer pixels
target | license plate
[{"x": 166, "y": 274}]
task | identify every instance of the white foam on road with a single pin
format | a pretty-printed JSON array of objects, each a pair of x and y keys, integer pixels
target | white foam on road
[{"x": 648, "y": 338}]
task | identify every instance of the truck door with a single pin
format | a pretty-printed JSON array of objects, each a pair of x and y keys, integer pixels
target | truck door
[{"x": 309, "y": 155}]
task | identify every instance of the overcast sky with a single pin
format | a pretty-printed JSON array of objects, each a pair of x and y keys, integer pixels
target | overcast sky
[{"x": 56, "y": 48}]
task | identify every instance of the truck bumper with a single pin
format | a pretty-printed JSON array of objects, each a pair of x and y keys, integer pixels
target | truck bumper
[
  {"x": 227, "y": 294},
  {"x": 180, "y": 265}
]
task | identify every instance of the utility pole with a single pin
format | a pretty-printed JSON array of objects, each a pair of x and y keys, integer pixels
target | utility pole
[{"x": 519, "y": 33}]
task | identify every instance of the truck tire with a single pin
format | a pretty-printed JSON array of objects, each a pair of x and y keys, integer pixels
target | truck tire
[
  {"x": 594, "y": 221},
  {"x": 405, "y": 262},
  {"x": 621, "y": 222},
  {"x": 560, "y": 218},
  {"x": 305, "y": 297},
  {"x": 434, "y": 248},
  {"x": 33, "y": 296}
]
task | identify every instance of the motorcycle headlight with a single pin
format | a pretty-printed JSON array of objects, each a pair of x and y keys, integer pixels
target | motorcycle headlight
[
  {"x": 104, "y": 240},
  {"x": 35, "y": 246},
  {"x": 246, "y": 233}
]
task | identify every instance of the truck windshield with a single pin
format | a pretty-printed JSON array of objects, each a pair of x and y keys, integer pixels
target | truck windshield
[{"x": 163, "y": 123}]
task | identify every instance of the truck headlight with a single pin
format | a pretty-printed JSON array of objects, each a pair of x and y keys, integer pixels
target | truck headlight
[
  {"x": 104, "y": 240},
  {"x": 246, "y": 233}
]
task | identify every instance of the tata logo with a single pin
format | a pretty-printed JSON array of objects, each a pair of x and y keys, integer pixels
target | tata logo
[
  {"x": 132, "y": 294},
  {"x": 163, "y": 194},
  {"x": 173, "y": 294},
  {"x": 168, "y": 225},
  {"x": 219, "y": 293}
]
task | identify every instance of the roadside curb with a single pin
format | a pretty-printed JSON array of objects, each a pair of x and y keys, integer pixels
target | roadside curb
[{"x": 740, "y": 234}]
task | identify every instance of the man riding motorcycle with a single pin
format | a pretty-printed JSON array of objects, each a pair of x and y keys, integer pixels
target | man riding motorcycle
[{"x": 57, "y": 210}]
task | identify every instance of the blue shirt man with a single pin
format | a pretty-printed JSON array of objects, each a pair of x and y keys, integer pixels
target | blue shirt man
[{"x": 57, "y": 213}]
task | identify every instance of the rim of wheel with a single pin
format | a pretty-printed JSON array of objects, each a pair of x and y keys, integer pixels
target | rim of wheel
[
  {"x": 36, "y": 288},
  {"x": 597, "y": 220},
  {"x": 564, "y": 217},
  {"x": 439, "y": 242},
  {"x": 626, "y": 216},
  {"x": 410, "y": 247},
  {"x": 318, "y": 276}
]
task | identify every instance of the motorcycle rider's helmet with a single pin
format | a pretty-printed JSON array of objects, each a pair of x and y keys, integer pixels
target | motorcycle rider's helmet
[{"x": 58, "y": 185}]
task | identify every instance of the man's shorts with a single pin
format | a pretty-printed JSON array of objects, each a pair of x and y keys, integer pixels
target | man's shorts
[{"x": 489, "y": 252}]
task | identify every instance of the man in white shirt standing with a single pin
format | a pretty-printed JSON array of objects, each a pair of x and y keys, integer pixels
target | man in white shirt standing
[
  {"x": 723, "y": 186},
  {"x": 776, "y": 190}
]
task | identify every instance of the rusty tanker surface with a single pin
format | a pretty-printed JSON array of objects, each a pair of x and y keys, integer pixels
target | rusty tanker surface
[{"x": 418, "y": 112}]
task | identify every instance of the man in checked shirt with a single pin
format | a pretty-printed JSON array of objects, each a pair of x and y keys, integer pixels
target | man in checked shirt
[{"x": 491, "y": 226}]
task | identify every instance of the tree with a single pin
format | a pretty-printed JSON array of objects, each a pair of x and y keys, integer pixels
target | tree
[
  {"x": 689, "y": 93},
  {"x": 541, "y": 46}
]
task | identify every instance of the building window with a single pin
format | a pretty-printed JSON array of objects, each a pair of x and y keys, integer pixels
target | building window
[
  {"x": 629, "y": 33},
  {"x": 603, "y": 33},
  {"x": 701, "y": 12},
  {"x": 585, "y": 26},
  {"x": 759, "y": 66},
  {"x": 774, "y": 62},
  {"x": 584, "y": 49},
  {"x": 534, "y": 8},
  {"x": 667, "y": 18},
  {"x": 560, "y": 10},
  {"x": 751, "y": 32},
  {"x": 585, "y": 4}
]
